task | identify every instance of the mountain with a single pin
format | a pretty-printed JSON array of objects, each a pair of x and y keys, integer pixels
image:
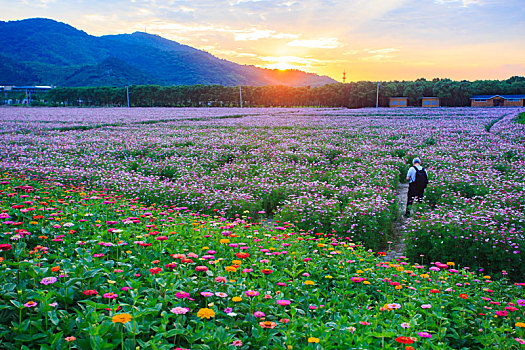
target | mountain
[{"x": 46, "y": 52}]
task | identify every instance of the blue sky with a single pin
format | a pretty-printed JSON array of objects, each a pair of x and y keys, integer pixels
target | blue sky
[{"x": 370, "y": 39}]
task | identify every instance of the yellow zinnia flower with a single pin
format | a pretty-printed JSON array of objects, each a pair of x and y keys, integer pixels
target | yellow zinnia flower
[
  {"x": 313, "y": 340},
  {"x": 206, "y": 313}
]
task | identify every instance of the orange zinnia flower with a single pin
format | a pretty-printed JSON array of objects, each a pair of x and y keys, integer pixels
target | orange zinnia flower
[{"x": 121, "y": 318}]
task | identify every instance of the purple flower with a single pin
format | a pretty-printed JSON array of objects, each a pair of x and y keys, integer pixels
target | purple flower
[
  {"x": 48, "y": 280},
  {"x": 228, "y": 310}
]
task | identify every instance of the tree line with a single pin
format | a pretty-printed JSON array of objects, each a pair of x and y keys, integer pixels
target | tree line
[{"x": 352, "y": 95}]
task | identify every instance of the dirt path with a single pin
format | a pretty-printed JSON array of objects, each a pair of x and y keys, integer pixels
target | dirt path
[{"x": 397, "y": 247}]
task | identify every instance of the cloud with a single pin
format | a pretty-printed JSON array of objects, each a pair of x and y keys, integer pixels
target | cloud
[
  {"x": 291, "y": 62},
  {"x": 321, "y": 43},
  {"x": 464, "y": 3},
  {"x": 256, "y": 34}
]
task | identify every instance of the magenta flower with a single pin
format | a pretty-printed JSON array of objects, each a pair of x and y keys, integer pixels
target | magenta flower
[
  {"x": 283, "y": 302},
  {"x": 110, "y": 296},
  {"x": 182, "y": 295},
  {"x": 30, "y": 304},
  {"x": 424, "y": 335},
  {"x": 259, "y": 314}
]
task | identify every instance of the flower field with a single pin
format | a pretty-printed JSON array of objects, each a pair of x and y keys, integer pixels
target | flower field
[{"x": 259, "y": 229}]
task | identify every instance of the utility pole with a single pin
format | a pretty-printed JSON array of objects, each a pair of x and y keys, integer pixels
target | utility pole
[
  {"x": 127, "y": 93},
  {"x": 377, "y": 95},
  {"x": 240, "y": 95}
]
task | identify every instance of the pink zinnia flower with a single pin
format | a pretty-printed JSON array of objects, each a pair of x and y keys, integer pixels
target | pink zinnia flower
[
  {"x": 251, "y": 293},
  {"x": 220, "y": 279},
  {"x": 283, "y": 302},
  {"x": 259, "y": 314},
  {"x": 180, "y": 310}
]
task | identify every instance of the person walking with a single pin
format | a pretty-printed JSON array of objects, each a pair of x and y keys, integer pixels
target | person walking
[{"x": 417, "y": 178}]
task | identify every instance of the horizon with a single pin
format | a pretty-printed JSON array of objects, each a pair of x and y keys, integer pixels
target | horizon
[{"x": 374, "y": 41}]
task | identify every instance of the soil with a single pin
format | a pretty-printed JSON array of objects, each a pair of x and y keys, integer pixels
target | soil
[{"x": 397, "y": 248}]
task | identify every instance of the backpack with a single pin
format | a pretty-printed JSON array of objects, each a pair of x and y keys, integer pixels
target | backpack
[{"x": 421, "y": 181}]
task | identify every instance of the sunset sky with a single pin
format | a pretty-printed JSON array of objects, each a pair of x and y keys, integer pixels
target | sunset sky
[{"x": 370, "y": 39}]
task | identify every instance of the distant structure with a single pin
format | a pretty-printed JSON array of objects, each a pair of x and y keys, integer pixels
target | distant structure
[
  {"x": 497, "y": 100},
  {"x": 344, "y": 77},
  {"x": 28, "y": 89},
  {"x": 9, "y": 90},
  {"x": 397, "y": 102},
  {"x": 430, "y": 102}
]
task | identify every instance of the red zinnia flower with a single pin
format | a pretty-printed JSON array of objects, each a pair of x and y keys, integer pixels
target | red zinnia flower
[
  {"x": 155, "y": 270},
  {"x": 463, "y": 296},
  {"x": 266, "y": 271},
  {"x": 404, "y": 340},
  {"x": 90, "y": 292}
]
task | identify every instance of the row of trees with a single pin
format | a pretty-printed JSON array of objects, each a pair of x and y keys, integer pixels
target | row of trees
[{"x": 352, "y": 95}]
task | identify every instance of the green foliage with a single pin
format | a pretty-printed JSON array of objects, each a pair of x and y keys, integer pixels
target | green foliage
[{"x": 521, "y": 118}]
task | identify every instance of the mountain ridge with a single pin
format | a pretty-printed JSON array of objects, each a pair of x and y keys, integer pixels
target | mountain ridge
[{"x": 56, "y": 53}]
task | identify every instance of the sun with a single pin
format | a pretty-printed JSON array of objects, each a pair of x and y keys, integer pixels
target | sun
[{"x": 280, "y": 66}]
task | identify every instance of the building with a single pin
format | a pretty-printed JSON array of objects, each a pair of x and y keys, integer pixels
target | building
[
  {"x": 497, "y": 100},
  {"x": 430, "y": 102},
  {"x": 398, "y": 102},
  {"x": 12, "y": 94},
  {"x": 27, "y": 89}
]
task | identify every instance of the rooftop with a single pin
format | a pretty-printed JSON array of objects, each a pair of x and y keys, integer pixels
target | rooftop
[{"x": 487, "y": 97}]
